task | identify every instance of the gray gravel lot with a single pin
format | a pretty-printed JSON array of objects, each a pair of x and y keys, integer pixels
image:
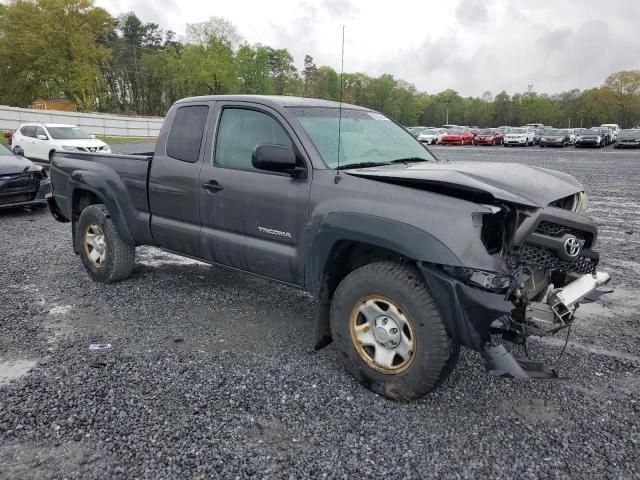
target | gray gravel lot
[{"x": 211, "y": 373}]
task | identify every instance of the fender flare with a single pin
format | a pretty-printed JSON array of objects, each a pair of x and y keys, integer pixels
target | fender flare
[
  {"x": 402, "y": 238},
  {"x": 102, "y": 188}
]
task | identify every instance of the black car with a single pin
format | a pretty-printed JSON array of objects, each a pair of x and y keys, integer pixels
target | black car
[
  {"x": 628, "y": 138},
  {"x": 537, "y": 135},
  {"x": 554, "y": 137},
  {"x": 22, "y": 183},
  {"x": 591, "y": 138},
  {"x": 606, "y": 133}
]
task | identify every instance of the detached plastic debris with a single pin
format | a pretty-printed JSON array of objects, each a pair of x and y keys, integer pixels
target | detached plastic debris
[{"x": 100, "y": 346}]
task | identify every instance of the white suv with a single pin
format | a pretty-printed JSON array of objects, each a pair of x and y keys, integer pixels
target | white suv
[
  {"x": 38, "y": 141},
  {"x": 519, "y": 136}
]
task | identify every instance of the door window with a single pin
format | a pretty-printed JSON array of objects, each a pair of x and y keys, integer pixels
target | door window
[
  {"x": 40, "y": 131},
  {"x": 239, "y": 132},
  {"x": 28, "y": 131}
]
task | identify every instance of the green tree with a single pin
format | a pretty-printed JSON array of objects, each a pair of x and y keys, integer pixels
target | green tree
[
  {"x": 625, "y": 86},
  {"x": 52, "y": 48}
]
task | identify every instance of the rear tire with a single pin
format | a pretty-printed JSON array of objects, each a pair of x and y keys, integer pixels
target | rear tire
[
  {"x": 105, "y": 256},
  {"x": 425, "y": 354}
]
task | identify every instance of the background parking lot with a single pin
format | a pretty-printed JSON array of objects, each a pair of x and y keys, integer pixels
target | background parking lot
[{"x": 212, "y": 373}]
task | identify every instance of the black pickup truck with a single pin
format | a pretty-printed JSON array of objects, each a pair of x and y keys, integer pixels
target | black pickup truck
[{"x": 410, "y": 257}]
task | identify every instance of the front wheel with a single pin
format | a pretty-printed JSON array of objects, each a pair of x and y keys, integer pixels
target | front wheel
[
  {"x": 105, "y": 256},
  {"x": 390, "y": 332}
]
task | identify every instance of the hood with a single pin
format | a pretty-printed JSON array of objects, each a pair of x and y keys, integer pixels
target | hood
[
  {"x": 14, "y": 164},
  {"x": 480, "y": 181},
  {"x": 553, "y": 136}
]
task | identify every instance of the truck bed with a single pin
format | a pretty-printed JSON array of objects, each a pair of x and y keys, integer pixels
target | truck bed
[{"x": 113, "y": 178}]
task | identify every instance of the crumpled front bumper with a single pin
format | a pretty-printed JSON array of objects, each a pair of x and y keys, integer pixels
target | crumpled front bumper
[
  {"x": 556, "y": 309},
  {"x": 470, "y": 312},
  {"x": 44, "y": 188},
  {"x": 467, "y": 311}
]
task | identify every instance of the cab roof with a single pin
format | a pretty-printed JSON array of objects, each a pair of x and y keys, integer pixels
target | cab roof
[{"x": 274, "y": 100}]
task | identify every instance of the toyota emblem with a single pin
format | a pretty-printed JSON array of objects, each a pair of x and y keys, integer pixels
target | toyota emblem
[{"x": 572, "y": 247}]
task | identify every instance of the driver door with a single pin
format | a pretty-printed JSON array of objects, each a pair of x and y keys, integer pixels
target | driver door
[{"x": 252, "y": 219}]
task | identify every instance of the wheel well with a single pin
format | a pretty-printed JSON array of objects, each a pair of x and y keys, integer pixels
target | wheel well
[
  {"x": 347, "y": 256},
  {"x": 81, "y": 200}
]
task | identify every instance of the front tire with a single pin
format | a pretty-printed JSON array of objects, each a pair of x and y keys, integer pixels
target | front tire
[
  {"x": 390, "y": 332},
  {"x": 105, "y": 256}
]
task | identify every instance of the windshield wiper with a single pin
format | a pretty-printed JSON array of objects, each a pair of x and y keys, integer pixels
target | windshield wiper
[
  {"x": 410, "y": 159},
  {"x": 362, "y": 165}
]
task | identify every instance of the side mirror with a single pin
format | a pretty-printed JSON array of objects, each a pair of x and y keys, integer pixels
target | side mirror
[
  {"x": 276, "y": 158},
  {"x": 18, "y": 151},
  {"x": 93, "y": 136},
  {"x": 42, "y": 137}
]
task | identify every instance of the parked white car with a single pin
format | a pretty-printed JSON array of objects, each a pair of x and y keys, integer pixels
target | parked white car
[
  {"x": 38, "y": 141},
  {"x": 615, "y": 128},
  {"x": 430, "y": 136},
  {"x": 523, "y": 136}
]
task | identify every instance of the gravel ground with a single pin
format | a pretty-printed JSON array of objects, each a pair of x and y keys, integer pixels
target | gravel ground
[{"x": 211, "y": 374}]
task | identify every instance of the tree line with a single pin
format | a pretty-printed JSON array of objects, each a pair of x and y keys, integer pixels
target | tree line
[{"x": 72, "y": 49}]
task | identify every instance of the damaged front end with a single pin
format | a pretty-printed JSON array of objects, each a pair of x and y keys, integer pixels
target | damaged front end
[{"x": 548, "y": 265}]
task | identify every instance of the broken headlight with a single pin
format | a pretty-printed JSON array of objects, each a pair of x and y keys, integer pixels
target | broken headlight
[
  {"x": 581, "y": 203},
  {"x": 494, "y": 281}
]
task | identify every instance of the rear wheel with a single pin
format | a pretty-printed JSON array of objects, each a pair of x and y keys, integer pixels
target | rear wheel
[
  {"x": 105, "y": 256},
  {"x": 390, "y": 332}
]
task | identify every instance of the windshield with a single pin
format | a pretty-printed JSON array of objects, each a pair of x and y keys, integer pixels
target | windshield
[
  {"x": 430, "y": 131},
  {"x": 590, "y": 132},
  {"x": 633, "y": 133},
  {"x": 553, "y": 132},
  {"x": 455, "y": 131},
  {"x": 68, "y": 133},
  {"x": 486, "y": 131},
  {"x": 4, "y": 150},
  {"x": 364, "y": 136},
  {"x": 518, "y": 130}
]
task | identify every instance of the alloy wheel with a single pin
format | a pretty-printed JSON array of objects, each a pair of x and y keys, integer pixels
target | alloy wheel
[{"x": 382, "y": 334}]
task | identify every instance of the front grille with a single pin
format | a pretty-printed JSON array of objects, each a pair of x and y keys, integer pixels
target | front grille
[
  {"x": 17, "y": 198},
  {"x": 557, "y": 230},
  {"x": 546, "y": 259}
]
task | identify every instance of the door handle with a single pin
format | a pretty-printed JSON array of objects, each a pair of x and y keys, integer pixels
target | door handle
[{"x": 212, "y": 186}]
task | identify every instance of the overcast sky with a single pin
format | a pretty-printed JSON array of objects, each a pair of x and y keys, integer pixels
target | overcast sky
[{"x": 468, "y": 45}]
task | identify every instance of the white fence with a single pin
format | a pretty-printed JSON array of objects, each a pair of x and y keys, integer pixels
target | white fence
[{"x": 95, "y": 123}]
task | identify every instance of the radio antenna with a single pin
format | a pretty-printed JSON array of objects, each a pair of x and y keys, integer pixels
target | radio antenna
[{"x": 337, "y": 178}]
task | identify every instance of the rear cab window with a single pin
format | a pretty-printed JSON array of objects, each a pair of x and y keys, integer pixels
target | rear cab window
[{"x": 187, "y": 129}]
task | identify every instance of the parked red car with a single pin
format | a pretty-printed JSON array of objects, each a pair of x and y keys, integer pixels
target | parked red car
[
  {"x": 457, "y": 136},
  {"x": 489, "y": 136}
]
